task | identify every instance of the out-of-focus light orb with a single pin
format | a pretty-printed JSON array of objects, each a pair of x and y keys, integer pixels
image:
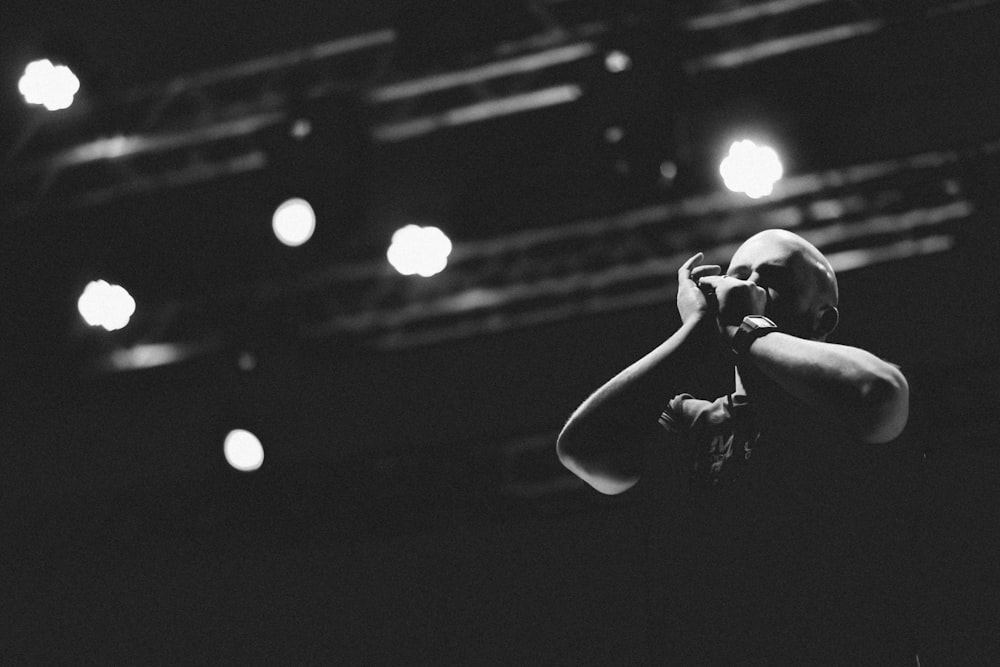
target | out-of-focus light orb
[
  {"x": 246, "y": 362},
  {"x": 614, "y": 134},
  {"x": 52, "y": 86},
  {"x": 106, "y": 305},
  {"x": 617, "y": 61},
  {"x": 751, "y": 169},
  {"x": 419, "y": 250},
  {"x": 294, "y": 222},
  {"x": 243, "y": 450},
  {"x": 668, "y": 170},
  {"x": 300, "y": 129}
]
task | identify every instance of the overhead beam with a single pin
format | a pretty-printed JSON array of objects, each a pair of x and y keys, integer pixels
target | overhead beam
[
  {"x": 522, "y": 65},
  {"x": 746, "y": 13},
  {"x": 780, "y": 46},
  {"x": 267, "y": 64},
  {"x": 505, "y": 106},
  {"x": 124, "y": 146}
]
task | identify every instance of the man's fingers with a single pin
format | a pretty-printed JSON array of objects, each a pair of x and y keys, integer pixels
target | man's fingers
[
  {"x": 699, "y": 272},
  {"x": 689, "y": 271},
  {"x": 684, "y": 273},
  {"x": 710, "y": 281}
]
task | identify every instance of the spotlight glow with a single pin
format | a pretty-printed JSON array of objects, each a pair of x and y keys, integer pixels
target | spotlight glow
[
  {"x": 106, "y": 305},
  {"x": 617, "y": 62},
  {"x": 668, "y": 170},
  {"x": 420, "y": 250},
  {"x": 243, "y": 450},
  {"x": 52, "y": 86},
  {"x": 300, "y": 129},
  {"x": 751, "y": 169},
  {"x": 294, "y": 222}
]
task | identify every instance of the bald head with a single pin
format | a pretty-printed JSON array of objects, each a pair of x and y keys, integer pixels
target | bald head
[{"x": 799, "y": 279}]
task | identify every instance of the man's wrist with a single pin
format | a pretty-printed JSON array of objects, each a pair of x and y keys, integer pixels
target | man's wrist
[
  {"x": 752, "y": 328},
  {"x": 700, "y": 323}
]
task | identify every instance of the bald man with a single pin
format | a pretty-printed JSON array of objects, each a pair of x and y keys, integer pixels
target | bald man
[{"x": 757, "y": 468}]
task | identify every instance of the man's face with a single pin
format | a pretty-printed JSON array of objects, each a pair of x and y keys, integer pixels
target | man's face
[{"x": 796, "y": 280}]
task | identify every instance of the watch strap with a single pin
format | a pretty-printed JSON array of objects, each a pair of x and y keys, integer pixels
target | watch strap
[{"x": 752, "y": 328}]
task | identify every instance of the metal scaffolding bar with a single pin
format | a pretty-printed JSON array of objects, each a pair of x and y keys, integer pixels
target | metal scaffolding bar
[{"x": 523, "y": 65}]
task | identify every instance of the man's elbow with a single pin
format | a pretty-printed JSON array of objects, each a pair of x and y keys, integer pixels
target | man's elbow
[
  {"x": 886, "y": 408},
  {"x": 598, "y": 474},
  {"x": 566, "y": 444}
]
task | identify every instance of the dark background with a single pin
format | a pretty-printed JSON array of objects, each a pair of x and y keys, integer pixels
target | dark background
[{"x": 410, "y": 508}]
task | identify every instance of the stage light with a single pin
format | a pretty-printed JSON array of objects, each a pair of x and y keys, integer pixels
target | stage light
[
  {"x": 668, "y": 170},
  {"x": 52, "y": 86},
  {"x": 106, "y": 305},
  {"x": 668, "y": 173},
  {"x": 300, "y": 129},
  {"x": 617, "y": 62},
  {"x": 246, "y": 362},
  {"x": 420, "y": 250},
  {"x": 294, "y": 222},
  {"x": 243, "y": 450},
  {"x": 751, "y": 169}
]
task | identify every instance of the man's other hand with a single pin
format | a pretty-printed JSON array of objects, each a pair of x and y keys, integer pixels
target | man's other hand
[
  {"x": 735, "y": 299},
  {"x": 692, "y": 303}
]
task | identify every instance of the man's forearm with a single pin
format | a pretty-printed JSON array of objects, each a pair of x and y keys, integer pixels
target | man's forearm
[
  {"x": 847, "y": 384},
  {"x": 602, "y": 441}
]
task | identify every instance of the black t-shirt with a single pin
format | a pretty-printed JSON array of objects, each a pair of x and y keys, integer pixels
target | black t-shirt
[{"x": 771, "y": 543}]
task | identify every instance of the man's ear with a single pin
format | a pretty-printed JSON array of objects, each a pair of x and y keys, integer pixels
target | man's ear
[{"x": 827, "y": 321}]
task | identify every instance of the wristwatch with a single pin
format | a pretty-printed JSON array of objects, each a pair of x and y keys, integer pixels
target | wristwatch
[{"x": 753, "y": 327}]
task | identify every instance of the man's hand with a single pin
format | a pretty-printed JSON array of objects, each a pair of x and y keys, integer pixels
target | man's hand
[
  {"x": 692, "y": 302},
  {"x": 734, "y": 299}
]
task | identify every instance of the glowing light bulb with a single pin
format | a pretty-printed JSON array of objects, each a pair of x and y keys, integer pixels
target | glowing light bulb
[
  {"x": 106, "y": 305},
  {"x": 294, "y": 222},
  {"x": 617, "y": 62},
  {"x": 751, "y": 169},
  {"x": 419, "y": 250},
  {"x": 243, "y": 450},
  {"x": 52, "y": 86}
]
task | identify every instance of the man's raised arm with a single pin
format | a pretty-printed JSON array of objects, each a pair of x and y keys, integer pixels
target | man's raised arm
[
  {"x": 603, "y": 440},
  {"x": 847, "y": 384}
]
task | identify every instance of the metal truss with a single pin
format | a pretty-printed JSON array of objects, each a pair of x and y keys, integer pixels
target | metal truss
[
  {"x": 214, "y": 124},
  {"x": 859, "y": 216}
]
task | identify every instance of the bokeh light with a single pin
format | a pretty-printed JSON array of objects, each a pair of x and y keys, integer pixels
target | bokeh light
[
  {"x": 294, "y": 222},
  {"x": 106, "y": 305},
  {"x": 300, "y": 129},
  {"x": 243, "y": 450},
  {"x": 52, "y": 86},
  {"x": 617, "y": 62},
  {"x": 419, "y": 250},
  {"x": 751, "y": 169},
  {"x": 668, "y": 170}
]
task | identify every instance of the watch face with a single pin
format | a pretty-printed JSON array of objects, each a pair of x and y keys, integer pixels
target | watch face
[{"x": 759, "y": 321}]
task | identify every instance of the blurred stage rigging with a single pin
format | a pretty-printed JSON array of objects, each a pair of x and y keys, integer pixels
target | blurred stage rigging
[
  {"x": 541, "y": 237},
  {"x": 567, "y": 228},
  {"x": 213, "y": 129},
  {"x": 570, "y": 150}
]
